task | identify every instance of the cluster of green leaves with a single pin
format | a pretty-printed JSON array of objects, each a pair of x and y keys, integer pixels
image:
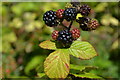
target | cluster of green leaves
[{"x": 57, "y": 64}]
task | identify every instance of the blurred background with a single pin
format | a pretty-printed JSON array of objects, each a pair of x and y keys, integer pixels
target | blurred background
[{"x": 23, "y": 29}]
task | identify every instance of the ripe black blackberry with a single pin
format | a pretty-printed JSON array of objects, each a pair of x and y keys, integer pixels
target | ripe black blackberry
[
  {"x": 50, "y": 18},
  {"x": 83, "y": 20},
  {"x": 84, "y": 27},
  {"x": 55, "y": 34},
  {"x": 70, "y": 14},
  {"x": 75, "y": 33},
  {"x": 65, "y": 37},
  {"x": 75, "y": 3},
  {"x": 84, "y": 10}
]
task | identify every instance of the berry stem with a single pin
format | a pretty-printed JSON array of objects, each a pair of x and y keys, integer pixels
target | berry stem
[
  {"x": 64, "y": 25},
  {"x": 70, "y": 25}
]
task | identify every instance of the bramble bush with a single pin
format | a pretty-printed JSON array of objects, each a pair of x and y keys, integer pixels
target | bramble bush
[
  {"x": 23, "y": 29},
  {"x": 66, "y": 43}
]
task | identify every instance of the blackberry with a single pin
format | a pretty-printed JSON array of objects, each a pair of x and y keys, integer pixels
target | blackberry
[
  {"x": 84, "y": 10},
  {"x": 65, "y": 37},
  {"x": 84, "y": 27},
  {"x": 59, "y": 13},
  {"x": 70, "y": 14},
  {"x": 55, "y": 35},
  {"x": 50, "y": 18},
  {"x": 75, "y": 3},
  {"x": 83, "y": 21},
  {"x": 75, "y": 33},
  {"x": 91, "y": 25}
]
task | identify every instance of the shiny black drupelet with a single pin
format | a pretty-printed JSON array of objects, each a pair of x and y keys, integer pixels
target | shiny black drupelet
[{"x": 50, "y": 18}]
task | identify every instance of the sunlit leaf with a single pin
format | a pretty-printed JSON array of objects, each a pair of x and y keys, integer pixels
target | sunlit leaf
[
  {"x": 81, "y": 68},
  {"x": 57, "y": 64},
  {"x": 29, "y": 27},
  {"x": 38, "y": 24},
  {"x": 88, "y": 75},
  {"x": 82, "y": 50},
  {"x": 76, "y": 67},
  {"x": 115, "y": 44},
  {"x": 29, "y": 16},
  {"x": 17, "y": 23},
  {"x": 108, "y": 19},
  {"x": 48, "y": 45},
  {"x": 41, "y": 74}
]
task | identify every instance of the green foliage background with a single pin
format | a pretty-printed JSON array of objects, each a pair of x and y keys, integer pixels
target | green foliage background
[{"x": 23, "y": 30}]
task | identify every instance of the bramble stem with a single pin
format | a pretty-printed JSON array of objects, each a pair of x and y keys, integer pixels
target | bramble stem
[
  {"x": 70, "y": 25},
  {"x": 63, "y": 25}
]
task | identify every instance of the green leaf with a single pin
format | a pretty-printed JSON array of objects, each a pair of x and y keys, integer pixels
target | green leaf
[
  {"x": 87, "y": 75},
  {"x": 33, "y": 63},
  {"x": 82, "y": 50},
  {"x": 76, "y": 67},
  {"x": 41, "y": 75},
  {"x": 48, "y": 45},
  {"x": 81, "y": 68},
  {"x": 57, "y": 64}
]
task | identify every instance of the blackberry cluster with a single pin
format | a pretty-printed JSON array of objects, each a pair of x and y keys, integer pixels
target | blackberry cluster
[
  {"x": 65, "y": 37},
  {"x": 73, "y": 11},
  {"x": 84, "y": 10},
  {"x": 50, "y": 18},
  {"x": 70, "y": 14}
]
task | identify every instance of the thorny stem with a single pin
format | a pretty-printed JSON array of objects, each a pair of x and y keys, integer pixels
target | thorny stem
[{"x": 70, "y": 25}]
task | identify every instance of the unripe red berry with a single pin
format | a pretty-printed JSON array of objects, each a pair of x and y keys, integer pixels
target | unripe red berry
[
  {"x": 55, "y": 35},
  {"x": 59, "y": 13},
  {"x": 75, "y": 33},
  {"x": 93, "y": 24}
]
